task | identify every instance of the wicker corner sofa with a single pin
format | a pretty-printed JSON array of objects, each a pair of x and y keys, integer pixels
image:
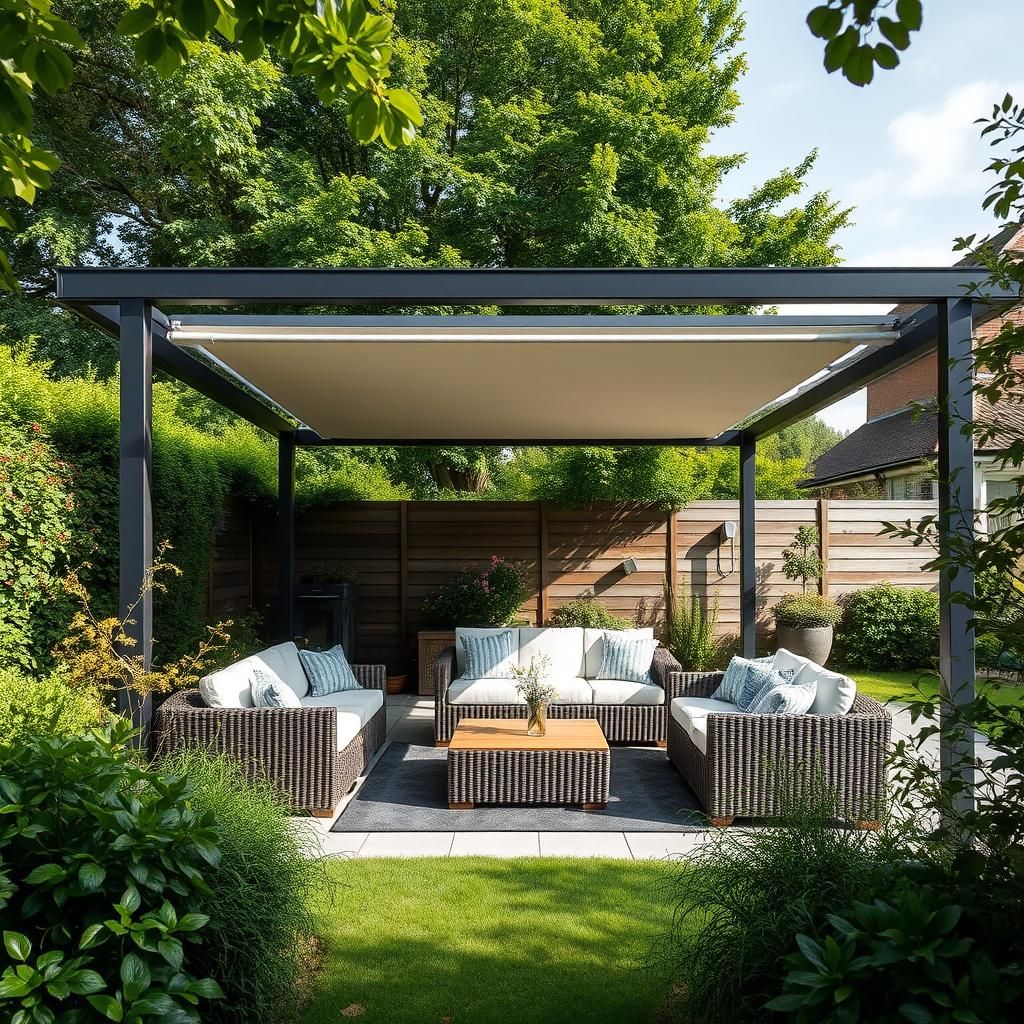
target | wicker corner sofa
[
  {"x": 627, "y": 712},
  {"x": 314, "y": 753},
  {"x": 753, "y": 765}
]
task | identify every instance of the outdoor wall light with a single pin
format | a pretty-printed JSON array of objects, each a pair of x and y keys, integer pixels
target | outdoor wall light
[{"x": 629, "y": 566}]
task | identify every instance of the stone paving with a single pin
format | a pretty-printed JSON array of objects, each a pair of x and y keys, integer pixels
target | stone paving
[{"x": 411, "y": 720}]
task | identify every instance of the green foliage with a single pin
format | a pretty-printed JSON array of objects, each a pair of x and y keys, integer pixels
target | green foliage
[
  {"x": 690, "y": 630},
  {"x": 491, "y": 596},
  {"x": 35, "y": 506},
  {"x": 585, "y": 612},
  {"x": 806, "y": 611},
  {"x": 801, "y": 561},
  {"x": 101, "y": 884},
  {"x": 889, "y": 628},
  {"x": 341, "y": 45},
  {"x": 47, "y": 705},
  {"x": 257, "y": 942},
  {"x": 894, "y": 962},
  {"x": 744, "y": 899},
  {"x": 850, "y": 27}
]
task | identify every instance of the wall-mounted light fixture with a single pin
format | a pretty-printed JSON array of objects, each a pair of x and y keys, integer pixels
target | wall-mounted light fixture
[
  {"x": 629, "y": 566},
  {"x": 726, "y": 533}
]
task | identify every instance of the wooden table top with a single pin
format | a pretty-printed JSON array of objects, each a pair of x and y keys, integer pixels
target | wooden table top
[{"x": 510, "y": 734}]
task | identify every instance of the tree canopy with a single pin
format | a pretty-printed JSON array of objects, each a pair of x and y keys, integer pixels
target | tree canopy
[{"x": 555, "y": 134}]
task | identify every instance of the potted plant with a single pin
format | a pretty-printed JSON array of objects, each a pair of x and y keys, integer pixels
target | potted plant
[
  {"x": 537, "y": 692},
  {"x": 488, "y": 596},
  {"x": 805, "y": 623}
]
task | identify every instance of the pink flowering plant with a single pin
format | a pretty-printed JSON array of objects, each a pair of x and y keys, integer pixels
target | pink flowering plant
[{"x": 487, "y": 596}]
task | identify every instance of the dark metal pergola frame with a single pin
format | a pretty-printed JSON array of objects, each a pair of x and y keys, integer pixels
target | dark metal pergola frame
[{"x": 126, "y": 303}]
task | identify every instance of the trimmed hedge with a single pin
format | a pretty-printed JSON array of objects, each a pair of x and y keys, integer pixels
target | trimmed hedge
[{"x": 889, "y": 628}]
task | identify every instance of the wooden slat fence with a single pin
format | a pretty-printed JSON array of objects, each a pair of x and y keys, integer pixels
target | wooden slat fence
[{"x": 402, "y": 551}]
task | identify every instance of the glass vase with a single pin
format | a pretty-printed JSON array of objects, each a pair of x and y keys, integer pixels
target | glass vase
[{"x": 537, "y": 722}]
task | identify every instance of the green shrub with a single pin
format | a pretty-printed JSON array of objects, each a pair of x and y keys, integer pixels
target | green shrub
[
  {"x": 257, "y": 942},
  {"x": 690, "y": 630},
  {"x": 889, "y": 628},
  {"x": 479, "y": 597},
  {"x": 744, "y": 898},
  {"x": 47, "y": 705},
  {"x": 585, "y": 612},
  {"x": 806, "y": 611},
  {"x": 101, "y": 884}
]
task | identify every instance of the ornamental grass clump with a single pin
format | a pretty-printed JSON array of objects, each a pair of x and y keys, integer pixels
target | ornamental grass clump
[
  {"x": 690, "y": 630},
  {"x": 490, "y": 596}
]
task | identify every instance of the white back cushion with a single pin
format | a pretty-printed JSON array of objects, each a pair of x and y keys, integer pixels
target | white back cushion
[
  {"x": 835, "y": 692},
  {"x": 593, "y": 644},
  {"x": 282, "y": 660},
  {"x": 228, "y": 687},
  {"x": 460, "y": 651},
  {"x": 562, "y": 647}
]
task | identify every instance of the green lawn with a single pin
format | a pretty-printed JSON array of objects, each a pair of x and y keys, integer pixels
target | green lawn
[
  {"x": 885, "y": 686},
  {"x": 481, "y": 940}
]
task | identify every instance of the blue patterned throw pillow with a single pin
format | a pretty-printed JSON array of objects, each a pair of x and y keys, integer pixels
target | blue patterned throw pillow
[
  {"x": 627, "y": 658},
  {"x": 780, "y": 695},
  {"x": 489, "y": 655},
  {"x": 328, "y": 672},
  {"x": 270, "y": 692},
  {"x": 740, "y": 684}
]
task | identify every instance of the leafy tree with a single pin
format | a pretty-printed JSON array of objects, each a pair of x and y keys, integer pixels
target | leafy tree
[{"x": 341, "y": 45}]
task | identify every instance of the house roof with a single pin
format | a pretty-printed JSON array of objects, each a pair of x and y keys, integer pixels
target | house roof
[{"x": 894, "y": 440}]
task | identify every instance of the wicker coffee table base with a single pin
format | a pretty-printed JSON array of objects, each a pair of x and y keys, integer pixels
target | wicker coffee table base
[{"x": 528, "y": 777}]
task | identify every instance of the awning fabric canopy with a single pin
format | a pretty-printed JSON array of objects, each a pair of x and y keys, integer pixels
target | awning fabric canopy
[{"x": 501, "y": 378}]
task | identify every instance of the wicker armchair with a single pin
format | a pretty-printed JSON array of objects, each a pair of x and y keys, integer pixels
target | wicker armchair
[
  {"x": 621, "y": 723},
  {"x": 739, "y": 775},
  {"x": 297, "y": 748}
]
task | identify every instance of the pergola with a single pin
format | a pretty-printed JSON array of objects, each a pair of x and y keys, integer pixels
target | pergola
[{"x": 541, "y": 379}]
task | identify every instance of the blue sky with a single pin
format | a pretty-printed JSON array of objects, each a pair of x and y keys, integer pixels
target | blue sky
[{"x": 903, "y": 151}]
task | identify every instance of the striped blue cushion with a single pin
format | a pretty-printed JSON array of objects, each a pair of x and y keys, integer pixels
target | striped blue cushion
[
  {"x": 782, "y": 696},
  {"x": 489, "y": 656},
  {"x": 627, "y": 658},
  {"x": 739, "y": 686},
  {"x": 270, "y": 692},
  {"x": 328, "y": 672}
]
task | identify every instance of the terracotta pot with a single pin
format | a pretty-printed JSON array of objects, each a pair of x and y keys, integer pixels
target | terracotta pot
[
  {"x": 813, "y": 643},
  {"x": 397, "y": 684}
]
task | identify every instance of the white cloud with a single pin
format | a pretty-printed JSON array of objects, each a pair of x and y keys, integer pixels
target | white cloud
[
  {"x": 847, "y": 414},
  {"x": 939, "y": 149},
  {"x": 914, "y": 254}
]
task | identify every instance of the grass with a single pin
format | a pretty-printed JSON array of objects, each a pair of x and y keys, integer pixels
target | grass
[
  {"x": 487, "y": 941},
  {"x": 885, "y": 686}
]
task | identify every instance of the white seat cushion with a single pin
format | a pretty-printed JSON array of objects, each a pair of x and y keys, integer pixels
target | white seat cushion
[
  {"x": 283, "y": 661},
  {"x": 484, "y": 691},
  {"x": 692, "y": 714},
  {"x": 623, "y": 691},
  {"x": 229, "y": 687},
  {"x": 593, "y": 643},
  {"x": 355, "y": 709},
  {"x": 563, "y": 647},
  {"x": 460, "y": 651},
  {"x": 835, "y": 692},
  {"x": 571, "y": 690}
]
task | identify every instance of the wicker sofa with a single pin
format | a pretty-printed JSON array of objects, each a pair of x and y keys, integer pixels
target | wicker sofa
[
  {"x": 314, "y": 752},
  {"x": 628, "y": 712},
  {"x": 743, "y": 765}
]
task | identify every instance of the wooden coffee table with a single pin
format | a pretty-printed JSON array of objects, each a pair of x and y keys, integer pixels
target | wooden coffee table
[{"x": 493, "y": 761}]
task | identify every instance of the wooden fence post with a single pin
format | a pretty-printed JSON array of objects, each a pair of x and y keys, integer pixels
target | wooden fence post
[
  {"x": 672, "y": 553},
  {"x": 823, "y": 529},
  {"x": 542, "y": 564},
  {"x": 403, "y": 575}
]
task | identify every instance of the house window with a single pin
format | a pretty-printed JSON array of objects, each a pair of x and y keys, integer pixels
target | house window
[
  {"x": 995, "y": 489},
  {"x": 910, "y": 487}
]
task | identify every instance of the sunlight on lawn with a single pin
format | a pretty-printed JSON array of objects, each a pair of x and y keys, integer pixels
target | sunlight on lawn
[
  {"x": 481, "y": 940},
  {"x": 885, "y": 686}
]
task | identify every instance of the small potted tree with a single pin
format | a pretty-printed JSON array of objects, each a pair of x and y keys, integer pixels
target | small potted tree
[{"x": 805, "y": 623}]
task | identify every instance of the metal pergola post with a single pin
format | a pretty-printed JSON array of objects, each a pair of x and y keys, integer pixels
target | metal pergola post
[
  {"x": 286, "y": 535},
  {"x": 956, "y": 521},
  {"x": 748, "y": 553},
  {"x": 135, "y": 521}
]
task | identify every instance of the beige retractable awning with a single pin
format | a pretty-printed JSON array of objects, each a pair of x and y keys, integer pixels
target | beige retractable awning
[{"x": 497, "y": 379}]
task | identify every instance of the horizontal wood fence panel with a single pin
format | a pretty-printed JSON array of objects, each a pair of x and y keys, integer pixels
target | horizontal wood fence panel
[{"x": 401, "y": 555}]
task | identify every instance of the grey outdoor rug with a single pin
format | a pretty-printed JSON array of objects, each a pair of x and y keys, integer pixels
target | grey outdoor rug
[{"x": 407, "y": 791}]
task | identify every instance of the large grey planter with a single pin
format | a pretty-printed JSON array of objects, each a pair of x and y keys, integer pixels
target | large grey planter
[{"x": 814, "y": 643}]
